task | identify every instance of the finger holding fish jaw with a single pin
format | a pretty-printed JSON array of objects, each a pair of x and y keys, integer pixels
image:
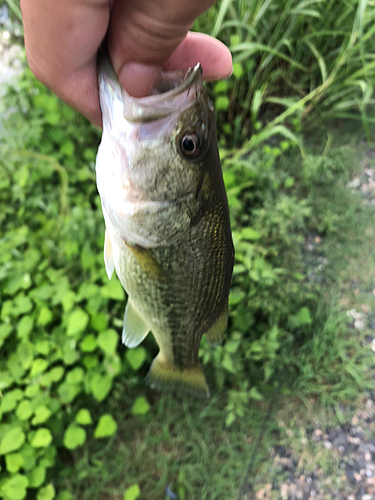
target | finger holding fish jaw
[{"x": 62, "y": 40}]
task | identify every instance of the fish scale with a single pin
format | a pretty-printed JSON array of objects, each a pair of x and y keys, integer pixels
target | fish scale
[{"x": 167, "y": 220}]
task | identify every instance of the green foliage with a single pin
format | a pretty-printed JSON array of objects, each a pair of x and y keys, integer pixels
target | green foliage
[
  {"x": 106, "y": 427},
  {"x": 74, "y": 436},
  {"x": 132, "y": 493},
  {"x": 140, "y": 406},
  {"x": 293, "y": 60},
  {"x": 277, "y": 200},
  {"x": 59, "y": 314}
]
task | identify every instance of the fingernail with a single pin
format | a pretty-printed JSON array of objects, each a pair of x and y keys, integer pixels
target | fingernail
[{"x": 138, "y": 79}]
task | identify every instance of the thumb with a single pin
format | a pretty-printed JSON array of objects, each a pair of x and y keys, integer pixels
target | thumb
[
  {"x": 142, "y": 36},
  {"x": 137, "y": 78}
]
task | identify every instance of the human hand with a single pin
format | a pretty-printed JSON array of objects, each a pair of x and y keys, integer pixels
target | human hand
[{"x": 62, "y": 39}]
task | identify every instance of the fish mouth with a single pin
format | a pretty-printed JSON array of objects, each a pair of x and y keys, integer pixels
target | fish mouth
[{"x": 172, "y": 92}]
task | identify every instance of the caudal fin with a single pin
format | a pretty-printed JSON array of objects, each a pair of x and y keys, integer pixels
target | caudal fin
[{"x": 164, "y": 376}]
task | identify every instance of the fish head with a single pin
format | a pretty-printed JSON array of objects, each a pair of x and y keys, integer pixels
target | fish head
[{"x": 162, "y": 140}]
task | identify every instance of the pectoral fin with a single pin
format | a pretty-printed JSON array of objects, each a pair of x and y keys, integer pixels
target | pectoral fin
[
  {"x": 216, "y": 333},
  {"x": 134, "y": 329},
  {"x": 146, "y": 259},
  {"x": 108, "y": 255}
]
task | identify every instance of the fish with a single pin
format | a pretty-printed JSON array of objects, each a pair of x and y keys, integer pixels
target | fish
[{"x": 168, "y": 234}]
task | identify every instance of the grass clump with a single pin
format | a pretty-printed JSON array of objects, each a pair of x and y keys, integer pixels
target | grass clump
[{"x": 293, "y": 60}]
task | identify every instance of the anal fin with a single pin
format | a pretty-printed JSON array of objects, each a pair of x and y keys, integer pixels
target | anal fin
[
  {"x": 134, "y": 329},
  {"x": 215, "y": 334},
  {"x": 108, "y": 255},
  {"x": 164, "y": 376}
]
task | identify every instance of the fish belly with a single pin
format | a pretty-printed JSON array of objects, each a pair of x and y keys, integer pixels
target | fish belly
[{"x": 179, "y": 290}]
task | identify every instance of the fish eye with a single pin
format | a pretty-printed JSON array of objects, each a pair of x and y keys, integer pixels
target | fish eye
[{"x": 189, "y": 144}]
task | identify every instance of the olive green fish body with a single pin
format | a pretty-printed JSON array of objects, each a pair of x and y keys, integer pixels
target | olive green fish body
[{"x": 167, "y": 223}]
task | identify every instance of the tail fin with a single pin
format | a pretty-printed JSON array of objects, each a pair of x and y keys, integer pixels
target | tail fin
[{"x": 164, "y": 376}]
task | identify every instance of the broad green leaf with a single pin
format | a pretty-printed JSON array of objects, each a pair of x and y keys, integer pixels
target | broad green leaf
[
  {"x": 45, "y": 316},
  {"x": 90, "y": 362},
  {"x": 132, "y": 493},
  {"x": 24, "y": 410},
  {"x": 75, "y": 376},
  {"x": 41, "y": 415},
  {"x": 70, "y": 355},
  {"x": 43, "y": 347},
  {"x": 247, "y": 233},
  {"x": 6, "y": 380},
  {"x": 108, "y": 341},
  {"x": 21, "y": 305},
  {"x": 48, "y": 458},
  {"x": 42, "y": 293},
  {"x": 17, "y": 283},
  {"x": 68, "y": 300},
  {"x": 32, "y": 390},
  {"x": 10, "y": 400},
  {"x": 13, "y": 462},
  {"x": 83, "y": 417},
  {"x": 289, "y": 182},
  {"x": 29, "y": 455},
  {"x": 220, "y": 87},
  {"x": 255, "y": 394},
  {"x": 42, "y": 438},
  {"x": 67, "y": 148},
  {"x": 229, "y": 419},
  {"x": 99, "y": 321},
  {"x": 5, "y": 331},
  {"x": 25, "y": 353},
  {"x": 15, "y": 487},
  {"x": 89, "y": 343},
  {"x": 65, "y": 495},
  {"x": 68, "y": 392},
  {"x": 36, "y": 477},
  {"x": 100, "y": 386},
  {"x": 136, "y": 357},
  {"x": 74, "y": 436},
  {"x": 140, "y": 406},
  {"x": 46, "y": 493},
  {"x": 87, "y": 290},
  {"x": 237, "y": 70},
  {"x": 227, "y": 363},
  {"x": 112, "y": 364},
  {"x": 39, "y": 366},
  {"x": 56, "y": 373},
  {"x": 12, "y": 440},
  {"x": 77, "y": 322},
  {"x": 113, "y": 290},
  {"x": 106, "y": 426},
  {"x": 302, "y": 318},
  {"x": 221, "y": 102}
]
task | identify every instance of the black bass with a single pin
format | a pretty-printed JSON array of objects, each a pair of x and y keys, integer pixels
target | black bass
[{"x": 167, "y": 221}]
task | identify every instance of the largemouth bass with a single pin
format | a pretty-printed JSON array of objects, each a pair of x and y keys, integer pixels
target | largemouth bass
[{"x": 167, "y": 221}]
